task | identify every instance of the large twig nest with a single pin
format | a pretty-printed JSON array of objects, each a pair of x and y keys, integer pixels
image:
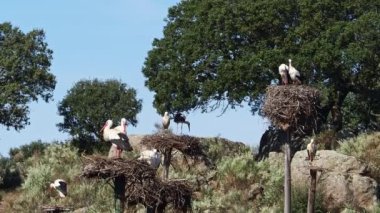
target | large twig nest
[
  {"x": 142, "y": 185},
  {"x": 155, "y": 193},
  {"x": 187, "y": 145},
  {"x": 105, "y": 168},
  {"x": 292, "y": 107}
]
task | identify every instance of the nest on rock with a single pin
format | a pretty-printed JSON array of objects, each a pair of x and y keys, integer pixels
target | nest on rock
[
  {"x": 187, "y": 145},
  {"x": 292, "y": 107},
  {"x": 142, "y": 185}
]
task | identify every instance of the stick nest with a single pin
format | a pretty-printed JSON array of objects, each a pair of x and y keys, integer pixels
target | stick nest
[
  {"x": 104, "y": 168},
  {"x": 142, "y": 185},
  {"x": 155, "y": 192},
  {"x": 187, "y": 145},
  {"x": 292, "y": 107}
]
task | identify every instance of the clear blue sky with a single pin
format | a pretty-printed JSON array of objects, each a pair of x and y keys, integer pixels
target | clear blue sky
[{"x": 107, "y": 39}]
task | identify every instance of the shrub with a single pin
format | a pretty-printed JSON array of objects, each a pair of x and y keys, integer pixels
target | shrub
[
  {"x": 272, "y": 178},
  {"x": 10, "y": 176},
  {"x": 60, "y": 161},
  {"x": 28, "y": 150},
  {"x": 365, "y": 147},
  {"x": 300, "y": 197},
  {"x": 238, "y": 172}
]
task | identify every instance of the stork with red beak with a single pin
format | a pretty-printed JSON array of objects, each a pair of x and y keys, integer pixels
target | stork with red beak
[{"x": 116, "y": 136}]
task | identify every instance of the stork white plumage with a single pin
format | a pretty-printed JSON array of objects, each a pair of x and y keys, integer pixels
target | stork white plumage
[
  {"x": 166, "y": 120},
  {"x": 122, "y": 128},
  {"x": 116, "y": 137},
  {"x": 283, "y": 70},
  {"x": 61, "y": 187},
  {"x": 311, "y": 150},
  {"x": 294, "y": 74},
  {"x": 152, "y": 157},
  {"x": 180, "y": 118}
]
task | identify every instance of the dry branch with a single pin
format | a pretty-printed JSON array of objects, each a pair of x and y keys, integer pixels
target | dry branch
[{"x": 292, "y": 106}]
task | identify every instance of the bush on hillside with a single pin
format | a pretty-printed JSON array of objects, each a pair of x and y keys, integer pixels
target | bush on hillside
[
  {"x": 10, "y": 176},
  {"x": 365, "y": 147},
  {"x": 28, "y": 150},
  {"x": 216, "y": 148},
  {"x": 229, "y": 189},
  {"x": 300, "y": 197},
  {"x": 60, "y": 161}
]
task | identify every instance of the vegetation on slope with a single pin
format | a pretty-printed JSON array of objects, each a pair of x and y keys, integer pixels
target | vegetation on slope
[{"x": 238, "y": 184}]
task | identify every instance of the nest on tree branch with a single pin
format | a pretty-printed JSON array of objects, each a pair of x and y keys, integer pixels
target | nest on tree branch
[
  {"x": 292, "y": 107},
  {"x": 187, "y": 145},
  {"x": 142, "y": 185}
]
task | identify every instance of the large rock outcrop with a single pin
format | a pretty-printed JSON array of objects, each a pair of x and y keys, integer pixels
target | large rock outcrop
[{"x": 342, "y": 182}]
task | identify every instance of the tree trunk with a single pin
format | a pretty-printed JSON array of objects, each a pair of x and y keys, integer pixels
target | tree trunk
[
  {"x": 119, "y": 191},
  {"x": 287, "y": 179},
  {"x": 312, "y": 190},
  {"x": 167, "y": 159}
]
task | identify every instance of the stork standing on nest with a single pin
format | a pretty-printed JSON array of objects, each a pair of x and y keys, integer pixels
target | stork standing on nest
[
  {"x": 283, "y": 70},
  {"x": 166, "y": 120},
  {"x": 61, "y": 187},
  {"x": 120, "y": 139},
  {"x": 294, "y": 74},
  {"x": 152, "y": 157},
  {"x": 122, "y": 128},
  {"x": 311, "y": 150},
  {"x": 180, "y": 118}
]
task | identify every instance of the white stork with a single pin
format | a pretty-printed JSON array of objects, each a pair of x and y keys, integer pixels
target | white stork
[
  {"x": 311, "y": 150},
  {"x": 283, "y": 70},
  {"x": 165, "y": 120},
  {"x": 152, "y": 157},
  {"x": 122, "y": 128},
  {"x": 61, "y": 187},
  {"x": 120, "y": 139},
  {"x": 294, "y": 73}
]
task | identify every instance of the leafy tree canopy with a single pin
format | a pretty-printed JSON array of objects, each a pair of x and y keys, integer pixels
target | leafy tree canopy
[
  {"x": 90, "y": 103},
  {"x": 24, "y": 73},
  {"x": 218, "y": 53}
]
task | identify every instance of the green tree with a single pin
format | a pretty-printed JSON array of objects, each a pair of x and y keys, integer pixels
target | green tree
[
  {"x": 90, "y": 103},
  {"x": 221, "y": 54},
  {"x": 24, "y": 74}
]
